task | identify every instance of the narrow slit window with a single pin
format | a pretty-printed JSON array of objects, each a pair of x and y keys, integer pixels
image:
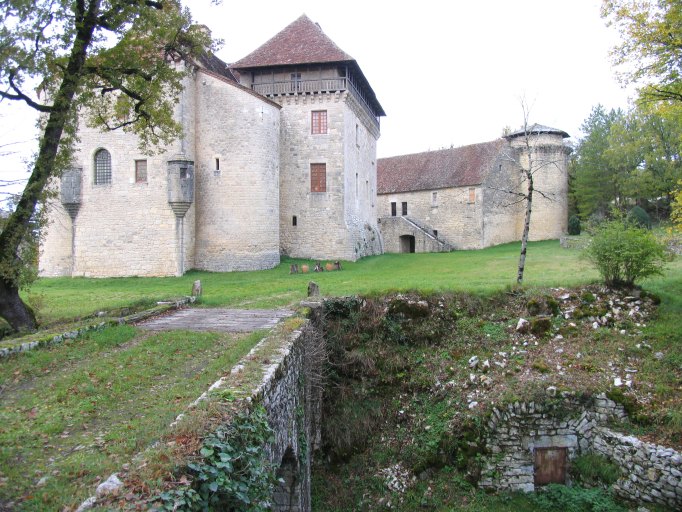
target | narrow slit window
[
  {"x": 294, "y": 221},
  {"x": 472, "y": 195},
  {"x": 217, "y": 164}
]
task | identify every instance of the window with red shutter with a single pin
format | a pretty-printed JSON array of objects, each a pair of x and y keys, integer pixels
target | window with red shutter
[
  {"x": 318, "y": 177},
  {"x": 319, "y": 122}
]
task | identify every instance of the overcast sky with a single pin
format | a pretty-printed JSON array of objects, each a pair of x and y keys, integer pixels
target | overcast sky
[{"x": 446, "y": 72}]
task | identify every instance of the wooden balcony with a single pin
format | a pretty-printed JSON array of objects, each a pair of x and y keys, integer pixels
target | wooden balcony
[{"x": 314, "y": 86}]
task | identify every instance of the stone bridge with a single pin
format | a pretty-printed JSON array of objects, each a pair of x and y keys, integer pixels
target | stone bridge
[{"x": 290, "y": 388}]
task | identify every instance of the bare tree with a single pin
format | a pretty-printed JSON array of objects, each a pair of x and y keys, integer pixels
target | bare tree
[{"x": 528, "y": 160}]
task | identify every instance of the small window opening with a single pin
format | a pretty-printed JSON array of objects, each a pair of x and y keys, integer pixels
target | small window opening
[
  {"x": 140, "y": 171},
  {"x": 435, "y": 233},
  {"x": 217, "y": 164},
  {"x": 102, "y": 167},
  {"x": 404, "y": 208},
  {"x": 394, "y": 210},
  {"x": 434, "y": 198},
  {"x": 318, "y": 177},
  {"x": 318, "y": 122},
  {"x": 183, "y": 173},
  {"x": 294, "y": 221}
]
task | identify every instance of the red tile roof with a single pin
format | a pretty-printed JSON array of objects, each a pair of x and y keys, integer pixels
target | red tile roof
[
  {"x": 444, "y": 168},
  {"x": 301, "y": 42}
]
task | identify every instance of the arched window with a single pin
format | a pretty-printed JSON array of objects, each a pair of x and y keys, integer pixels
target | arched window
[{"x": 102, "y": 167}]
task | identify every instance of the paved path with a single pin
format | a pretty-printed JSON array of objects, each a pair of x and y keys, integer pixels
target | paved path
[{"x": 214, "y": 319}]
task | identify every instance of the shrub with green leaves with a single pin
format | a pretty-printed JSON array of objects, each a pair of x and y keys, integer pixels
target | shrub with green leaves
[
  {"x": 575, "y": 499},
  {"x": 638, "y": 216},
  {"x": 235, "y": 473},
  {"x": 574, "y": 227},
  {"x": 624, "y": 252},
  {"x": 594, "y": 469}
]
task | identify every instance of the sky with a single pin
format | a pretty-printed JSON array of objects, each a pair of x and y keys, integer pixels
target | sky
[{"x": 447, "y": 73}]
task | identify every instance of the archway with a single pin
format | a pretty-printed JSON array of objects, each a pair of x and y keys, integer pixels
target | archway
[
  {"x": 407, "y": 243},
  {"x": 287, "y": 495}
]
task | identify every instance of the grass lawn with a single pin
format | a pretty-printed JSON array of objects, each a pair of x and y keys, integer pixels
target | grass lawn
[
  {"x": 73, "y": 414},
  {"x": 481, "y": 272},
  {"x": 77, "y": 412}
]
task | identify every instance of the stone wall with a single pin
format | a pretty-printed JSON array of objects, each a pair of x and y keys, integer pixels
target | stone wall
[
  {"x": 293, "y": 405},
  {"x": 341, "y": 222},
  {"x": 122, "y": 228},
  {"x": 495, "y": 216},
  {"x": 650, "y": 473},
  {"x": 392, "y": 228},
  {"x": 237, "y": 178},
  {"x": 549, "y": 219},
  {"x": 457, "y": 220}
]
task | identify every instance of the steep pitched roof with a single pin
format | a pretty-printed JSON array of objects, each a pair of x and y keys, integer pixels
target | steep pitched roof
[
  {"x": 301, "y": 42},
  {"x": 444, "y": 168}
]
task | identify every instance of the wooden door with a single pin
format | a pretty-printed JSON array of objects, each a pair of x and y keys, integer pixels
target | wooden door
[{"x": 550, "y": 465}]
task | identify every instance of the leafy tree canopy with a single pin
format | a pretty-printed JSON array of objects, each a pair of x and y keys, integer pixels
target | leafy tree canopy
[
  {"x": 651, "y": 50},
  {"x": 115, "y": 63}
]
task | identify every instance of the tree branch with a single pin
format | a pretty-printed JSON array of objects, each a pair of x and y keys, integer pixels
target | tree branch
[{"x": 19, "y": 95}]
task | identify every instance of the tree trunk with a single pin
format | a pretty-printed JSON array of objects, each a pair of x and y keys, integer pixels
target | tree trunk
[
  {"x": 19, "y": 316},
  {"x": 526, "y": 229},
  {"x": 12, "y": 308}
]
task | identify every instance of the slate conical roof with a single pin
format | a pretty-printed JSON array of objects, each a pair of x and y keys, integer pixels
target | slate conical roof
[
  {"x": 536, "y": 129},
  {"x": 301, "y": 42}
]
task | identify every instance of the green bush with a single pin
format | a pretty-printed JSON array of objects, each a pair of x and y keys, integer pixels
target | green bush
[
  {"x": 624, "y": 253},
  {"x": 594, "y": 469},
  {"x": 234, "y": 474},
  {"x": 574, "y": 225},
  {"x": 575, "y": 499},
  {"x": 638, "y": 216}
]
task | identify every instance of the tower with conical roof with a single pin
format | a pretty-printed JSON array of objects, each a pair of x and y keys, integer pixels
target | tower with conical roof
[{"x": 329, "y": 127}]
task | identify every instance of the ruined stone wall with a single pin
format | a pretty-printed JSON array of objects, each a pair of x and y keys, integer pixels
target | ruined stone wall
[
  {"x": 650, "y": 473},
  {"x": 457, "y": 220},
  {"x": 237, "y": 177}
]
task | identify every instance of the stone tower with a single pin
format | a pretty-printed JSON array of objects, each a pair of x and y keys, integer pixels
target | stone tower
[
  {"x": 549, "y": 154},
  {"x": 329, "y": 127}
]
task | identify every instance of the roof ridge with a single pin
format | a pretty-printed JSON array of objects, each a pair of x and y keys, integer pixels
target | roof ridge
[
  {"x": 452, "y": 148},
  {"x": 301, "y": 42}
]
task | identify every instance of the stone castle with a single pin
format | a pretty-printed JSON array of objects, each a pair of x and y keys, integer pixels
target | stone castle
[{"x": 278, "y": 157}]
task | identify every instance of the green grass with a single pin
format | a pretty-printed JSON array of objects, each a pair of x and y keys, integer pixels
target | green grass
[
  {"x": 481, "y": 272},
  {"x": 77, "y": 412}
]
